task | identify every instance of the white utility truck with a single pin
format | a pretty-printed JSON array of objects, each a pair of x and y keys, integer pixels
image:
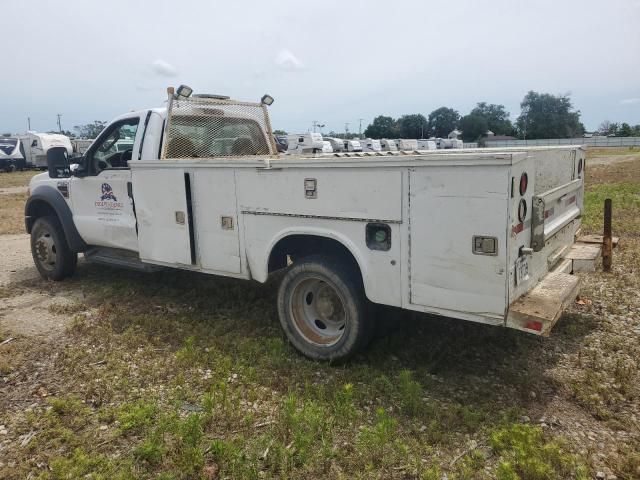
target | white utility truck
[
  {"x": 36, "y": 145},
  {"x": 479, "y": 236}
]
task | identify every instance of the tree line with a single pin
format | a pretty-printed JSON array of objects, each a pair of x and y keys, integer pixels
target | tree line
[{"x": 542, "y": 116}]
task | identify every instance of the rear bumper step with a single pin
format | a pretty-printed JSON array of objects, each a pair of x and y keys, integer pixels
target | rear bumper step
[{"x": 538, "y": 310}]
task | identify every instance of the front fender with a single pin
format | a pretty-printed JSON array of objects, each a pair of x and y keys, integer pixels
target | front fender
[{"x": 45, "y": 198}]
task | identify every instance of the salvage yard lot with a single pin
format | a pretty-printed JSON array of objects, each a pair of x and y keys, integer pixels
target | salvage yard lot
[{"x": 180, "y": 375}]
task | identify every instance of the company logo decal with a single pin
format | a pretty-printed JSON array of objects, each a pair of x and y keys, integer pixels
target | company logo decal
[
  {"x": 107, "y": 193},
  {"x": 108, "y": 199}
]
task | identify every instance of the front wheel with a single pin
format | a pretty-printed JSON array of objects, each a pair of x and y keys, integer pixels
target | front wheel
[
  {"x": 323, "y": 309},
  {"x": 51, "y": 254}
]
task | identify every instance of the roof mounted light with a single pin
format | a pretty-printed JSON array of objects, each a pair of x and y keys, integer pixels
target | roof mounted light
[
  {"x": 184, "y": 91},
  {"x": 266, "y": 99}
]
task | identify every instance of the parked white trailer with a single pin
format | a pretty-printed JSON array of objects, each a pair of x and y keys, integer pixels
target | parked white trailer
[
  {"x": 304, "y": 143},
  {"x": 352, "y": 146},
  {"x": 480, "y": 236},
  {"x": 424, "y": 144},
  {"x": 449, "y": 143},
  {"x": 388, "y": 145},
  {"x": 36, "y": 145},
  {"x": 406, "y": 144},
  {"x": 370, "y": 145},
  {"x": 11, "y": 158},
  {"x": 326, "y": 147},
  {"x": 337, "y": 144}
]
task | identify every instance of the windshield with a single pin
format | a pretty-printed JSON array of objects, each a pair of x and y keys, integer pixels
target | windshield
[
  {"x": 8, "y": 145},
  {"x": 200, "y": 136}
]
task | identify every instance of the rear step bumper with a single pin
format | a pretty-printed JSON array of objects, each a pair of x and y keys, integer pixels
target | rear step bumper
[{"x": 538, "y": 310}]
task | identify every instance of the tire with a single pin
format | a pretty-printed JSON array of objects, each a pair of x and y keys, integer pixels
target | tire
[
  {"x": 12, "y": 168},
  {"x": 51, "y": 254},
  {"x": 323, "y": 309}
]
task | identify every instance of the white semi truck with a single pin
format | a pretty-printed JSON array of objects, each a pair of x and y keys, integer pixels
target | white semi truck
[{"x": 479, "y": 236}]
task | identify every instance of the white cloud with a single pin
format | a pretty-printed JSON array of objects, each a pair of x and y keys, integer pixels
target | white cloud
[
  {"x": 163, "y": 69},
  {"x": 630, "y": 101},
  {"x": 287, "y": 61}
]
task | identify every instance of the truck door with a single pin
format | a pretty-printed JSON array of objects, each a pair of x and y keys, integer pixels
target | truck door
[{"x": 103, "y": 210}]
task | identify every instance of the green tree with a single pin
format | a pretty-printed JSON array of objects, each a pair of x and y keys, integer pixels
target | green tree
[
  {"x": 473, "y": 127},
  {"x": 90, "y": 130},
  {"x": 381, "y": 127},
  {"x": 412, "y": 126},
  {"x": 548, "y": 116},
  {"x": 607, "y": 128},
  {"x": 442, "y": 121},
  {"x": 496, "y": 116},
  {"x": 279, "y": 132},
  {"x": 625, "y": 130}
]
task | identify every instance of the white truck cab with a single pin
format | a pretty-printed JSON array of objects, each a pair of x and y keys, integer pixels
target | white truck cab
[{"x": 470, "y": 235}]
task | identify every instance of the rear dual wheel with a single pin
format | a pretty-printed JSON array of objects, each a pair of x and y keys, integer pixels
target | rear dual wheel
[{"x": 323, "y": 309}]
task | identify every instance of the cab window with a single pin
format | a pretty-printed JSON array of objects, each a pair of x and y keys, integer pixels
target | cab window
[{"x": 114, "y": 148}]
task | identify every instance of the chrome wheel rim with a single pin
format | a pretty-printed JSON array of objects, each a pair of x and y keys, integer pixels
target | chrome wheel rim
[
  {"x": 318, "y": 311},
  {"x": 45, "y": 250}
]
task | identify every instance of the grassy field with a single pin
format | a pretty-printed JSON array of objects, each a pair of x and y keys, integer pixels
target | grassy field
[
  {"x": 12, "y": 213},
  {"x": 177, "y": 375},
  {"x": 16, "y": 179}
]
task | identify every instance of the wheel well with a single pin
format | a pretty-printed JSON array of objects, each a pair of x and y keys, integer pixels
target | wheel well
[
  {"x": 295, "y": 247},
  {"x": 37, "y": 209}
]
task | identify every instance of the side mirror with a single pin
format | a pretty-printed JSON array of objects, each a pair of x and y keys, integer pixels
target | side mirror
[{"x": 58, "y": 162}]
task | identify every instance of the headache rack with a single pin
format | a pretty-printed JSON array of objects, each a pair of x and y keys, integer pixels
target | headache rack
[{"x": 212, "y": 126}]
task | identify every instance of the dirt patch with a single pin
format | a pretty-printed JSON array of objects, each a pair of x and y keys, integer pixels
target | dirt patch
[{"x": 17, "y": 264}]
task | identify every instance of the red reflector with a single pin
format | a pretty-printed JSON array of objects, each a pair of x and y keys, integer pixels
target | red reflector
[
  {"x": 524, "y": 182},
  {"x": 537, "y": 326},
  {"x": 548, "y": 213},
  {"x": 518, "y": 228}
]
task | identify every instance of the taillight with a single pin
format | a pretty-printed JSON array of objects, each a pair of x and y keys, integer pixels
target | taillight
[
  {"x": 522, "y": 210},
  {"x": 524, "y": 183}
]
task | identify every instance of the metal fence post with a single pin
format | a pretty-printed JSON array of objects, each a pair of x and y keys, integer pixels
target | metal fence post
[{"x": 607, "y": 239}]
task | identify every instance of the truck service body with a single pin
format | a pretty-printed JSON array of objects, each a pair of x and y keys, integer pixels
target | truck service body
[{"x": 463, "y": 234}]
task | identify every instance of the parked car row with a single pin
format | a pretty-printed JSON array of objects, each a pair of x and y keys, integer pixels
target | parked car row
[{"x": 316, "y": 143}]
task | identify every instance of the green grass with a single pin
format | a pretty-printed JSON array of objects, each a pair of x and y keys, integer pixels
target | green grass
[
  {"x": 178, "y": 375},
  {"x": 625, "y": 206}
]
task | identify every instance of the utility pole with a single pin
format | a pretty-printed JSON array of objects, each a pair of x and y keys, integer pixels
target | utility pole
[
  {"x": 314, "y": 123},
  {"x": 360, "y": 127},
  {"x": 346, "y": 130},
  {"x": 59, "y": 124},
  {"x": 28, "y": 123}
]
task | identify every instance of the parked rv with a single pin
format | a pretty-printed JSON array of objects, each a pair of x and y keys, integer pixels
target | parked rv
[
  {"x": 304, "y": 143},
  {"x": 337, "y": 144},
  {"x": 352, "y": 146},
  {"x": 427, "y": 144},
  {"x": 80, "y": 145},
  {"x": 326, "y": 147},
  {"x": 10, "y": 157},
  {"x": 449, "y": 143},
  {"x": 370, "y": 145},
  {"x": 36, "y": 145},
  {"x": 388, "y": 145},
  {"x": 407, "y": 145}
]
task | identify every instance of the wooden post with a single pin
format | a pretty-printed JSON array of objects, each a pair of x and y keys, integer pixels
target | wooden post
[{"x": 606, "y": 239}]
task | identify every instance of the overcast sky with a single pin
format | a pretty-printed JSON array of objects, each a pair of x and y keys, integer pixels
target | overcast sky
[{"x": 331, "y": 61}]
